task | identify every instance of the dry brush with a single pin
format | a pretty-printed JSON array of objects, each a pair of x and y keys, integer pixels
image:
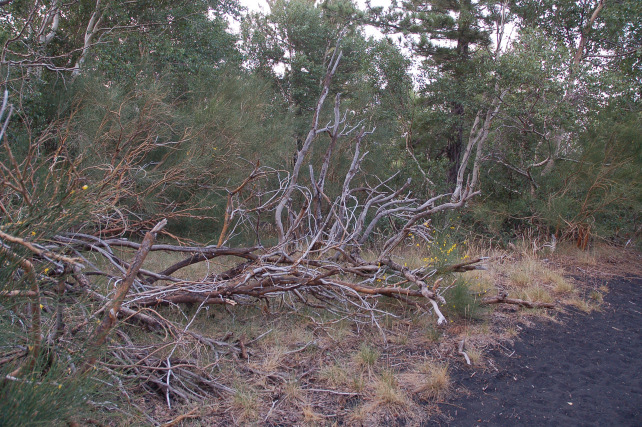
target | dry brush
[{"x": 317, "y": 259}]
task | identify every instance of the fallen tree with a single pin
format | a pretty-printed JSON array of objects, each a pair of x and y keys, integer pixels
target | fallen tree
[{"x": 318, "y": 258}]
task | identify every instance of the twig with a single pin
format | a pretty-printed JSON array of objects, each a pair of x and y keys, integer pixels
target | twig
[
  {"x": 462, "y": 352},
  {"x": 502, "y": 298},
  {"x": 343, "y": 393},
  {"x": 111, "y": 316},
  {"x": 41, "y": 252},
  {"x": 190, "y": 414}
]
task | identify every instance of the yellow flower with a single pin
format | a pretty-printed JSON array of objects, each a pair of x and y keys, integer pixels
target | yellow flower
[
  {"x": 33, "y": 233},
  {"x": 59, "y": 386},
  {"x": 46, "y": 270},
  {"x": 84, "y": 187},
  {"x": 41, "y": 306}
]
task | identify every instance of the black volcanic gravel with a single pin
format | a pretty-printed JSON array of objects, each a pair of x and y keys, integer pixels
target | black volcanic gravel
[{"x": 586, "y": 371}]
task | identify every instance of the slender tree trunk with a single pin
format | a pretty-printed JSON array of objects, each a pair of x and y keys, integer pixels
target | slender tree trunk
[{"x": 456, "y": 142}]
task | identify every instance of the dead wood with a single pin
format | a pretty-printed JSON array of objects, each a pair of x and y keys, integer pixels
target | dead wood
[
  {"x": 318, "y": 257},
  {"x": 111, "y": 315},
  {"x": 502, "y": 298}
]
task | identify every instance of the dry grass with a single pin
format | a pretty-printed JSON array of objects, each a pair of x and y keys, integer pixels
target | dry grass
[
  {"x": 388, "y": 392},
  {"x": 366, "y": 357},
  {"x": 563, "y": 287},
  {"x": 293, "y": 391},
  {"x": 475, "y": 355},
  {"x": 524, "y": 276},
  {"x": 310, "y": 417},
  {"x": 429, "y": 380},
  {"x": 589, "y": 257},
  {"x": 536, "y": 293},
  {"x": 245, "y": 403},
  {"x": 272, "y": 359},
  {"x": 582, "y": 305},
  {"x": 335, "y": 375},
  {"x": 293, "y": 351}
]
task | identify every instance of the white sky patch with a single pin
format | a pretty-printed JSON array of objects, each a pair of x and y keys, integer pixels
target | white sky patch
[{"x": 263, "y": 7}]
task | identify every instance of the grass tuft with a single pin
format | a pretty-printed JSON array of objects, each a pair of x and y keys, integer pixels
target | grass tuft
[
  {"x": 335, "y": 375},
  {"x": 245, "y": 402},
  {"x": 367, "y": 356},
  {"x": 388, "y": 392},
  {"x": 431, "y": 380}
]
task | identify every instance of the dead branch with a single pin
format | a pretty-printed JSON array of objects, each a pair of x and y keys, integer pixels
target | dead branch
[
  {"x": 111, "y": 316},
  {"x": 191, "y": 414},
  {"x": 502, "y": 298},
  {"x": 464, "y": 266},
  {"x": 318, "y": 258},
  {"x": 461, "y": 351}
]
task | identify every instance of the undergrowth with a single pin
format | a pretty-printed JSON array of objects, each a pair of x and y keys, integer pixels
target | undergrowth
[{"x": 309, "y": 367}]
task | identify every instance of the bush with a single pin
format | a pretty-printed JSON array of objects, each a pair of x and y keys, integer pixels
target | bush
[{"x": 461, "y": 302}]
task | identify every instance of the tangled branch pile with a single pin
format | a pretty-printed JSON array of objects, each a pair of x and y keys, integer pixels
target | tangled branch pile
[{"x": 72, "y": 246}]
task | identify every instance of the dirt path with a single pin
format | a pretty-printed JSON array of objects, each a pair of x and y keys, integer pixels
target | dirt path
[{"x": 586, "y": 371}]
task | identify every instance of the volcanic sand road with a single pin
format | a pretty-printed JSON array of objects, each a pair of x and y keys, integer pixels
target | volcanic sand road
[{"x": 586, "y": 371}]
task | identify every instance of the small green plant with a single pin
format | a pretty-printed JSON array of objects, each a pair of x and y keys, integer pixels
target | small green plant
[
  {"x": 596, "y": 296},
  {"x": 461, "y": 302},
  {"x": 358, "y": 382}
]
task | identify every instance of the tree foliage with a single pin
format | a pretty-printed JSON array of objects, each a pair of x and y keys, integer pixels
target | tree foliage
[{"x": 289, "y": 151}]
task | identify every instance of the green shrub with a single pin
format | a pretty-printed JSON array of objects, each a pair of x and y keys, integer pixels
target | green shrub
[
  {"x": 461, "y": 302},
  {"x": 49, "y": 396}
]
